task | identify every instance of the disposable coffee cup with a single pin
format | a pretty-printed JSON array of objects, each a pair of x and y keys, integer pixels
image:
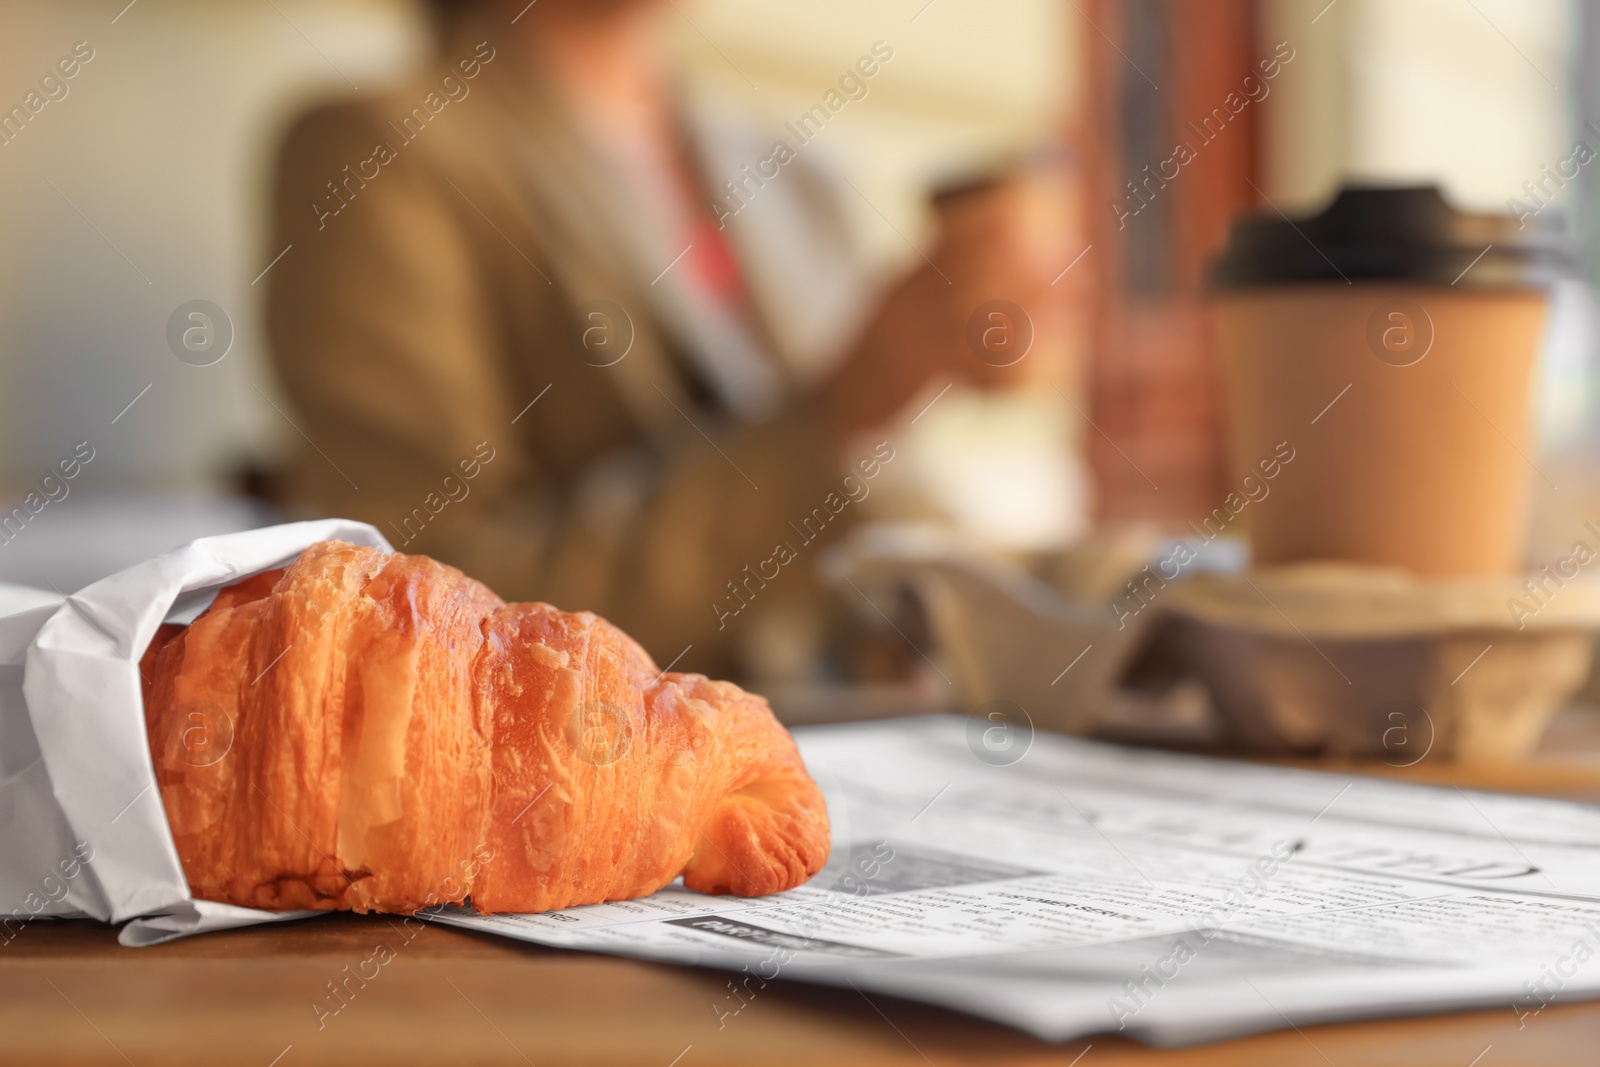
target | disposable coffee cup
[{"x": 1387, "y": 348}]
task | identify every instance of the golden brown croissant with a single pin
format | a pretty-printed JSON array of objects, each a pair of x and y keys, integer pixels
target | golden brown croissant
[{"x": 380, "y": 732}]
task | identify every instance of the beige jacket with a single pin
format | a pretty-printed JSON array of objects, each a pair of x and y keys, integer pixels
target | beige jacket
[{"x": 456, "y": 382}]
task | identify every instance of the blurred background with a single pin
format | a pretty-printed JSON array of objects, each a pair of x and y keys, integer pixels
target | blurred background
[{"x": 147, "y": 186}]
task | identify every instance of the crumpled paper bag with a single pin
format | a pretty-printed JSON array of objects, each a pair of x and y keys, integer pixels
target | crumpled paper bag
[{"x": 82, "y": 829}]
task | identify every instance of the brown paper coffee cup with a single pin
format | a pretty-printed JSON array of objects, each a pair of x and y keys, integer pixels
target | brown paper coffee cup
[
  {"x": 1389, "y": 344},
  {"x": 1408, "y": 409}
]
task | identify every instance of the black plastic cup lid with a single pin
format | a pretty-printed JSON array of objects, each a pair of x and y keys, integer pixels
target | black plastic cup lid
[{"x": 1396, "y": 233}]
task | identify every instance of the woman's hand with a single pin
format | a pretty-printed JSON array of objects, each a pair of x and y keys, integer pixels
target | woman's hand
[{"x": 982, "y": 311}]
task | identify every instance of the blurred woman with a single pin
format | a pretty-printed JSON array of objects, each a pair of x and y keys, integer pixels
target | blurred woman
[{"x": 550, "y": 319}]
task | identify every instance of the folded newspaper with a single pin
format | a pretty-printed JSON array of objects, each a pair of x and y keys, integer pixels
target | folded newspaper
[
  {"x": 1088, "y": 887},
  {"x": 1063, "y": 886}
]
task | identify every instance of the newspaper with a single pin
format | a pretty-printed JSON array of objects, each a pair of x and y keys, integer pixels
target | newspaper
[{"x": 1070, "y": 887}]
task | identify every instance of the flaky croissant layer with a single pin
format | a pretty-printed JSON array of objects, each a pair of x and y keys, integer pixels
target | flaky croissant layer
[{"x": 375, "y": 732}]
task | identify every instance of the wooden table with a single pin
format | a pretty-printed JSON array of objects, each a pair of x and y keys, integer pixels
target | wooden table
[{"x": 70, "y": 995}]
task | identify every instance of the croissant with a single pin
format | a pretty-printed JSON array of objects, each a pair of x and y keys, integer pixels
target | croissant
[{"x": 373, "y": 732}]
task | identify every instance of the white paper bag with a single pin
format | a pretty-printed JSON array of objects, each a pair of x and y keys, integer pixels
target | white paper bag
[{"x": 82, "y": 829}]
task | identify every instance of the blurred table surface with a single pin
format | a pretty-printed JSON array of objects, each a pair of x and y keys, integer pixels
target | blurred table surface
[{"x": 70, "y": 995}]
